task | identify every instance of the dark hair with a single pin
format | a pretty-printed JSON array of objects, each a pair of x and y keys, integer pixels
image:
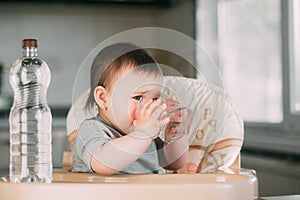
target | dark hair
[{"x": 114, "y": 59}]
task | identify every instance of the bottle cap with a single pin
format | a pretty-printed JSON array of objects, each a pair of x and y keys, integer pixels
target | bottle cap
[{"x": 29, "y": 43}]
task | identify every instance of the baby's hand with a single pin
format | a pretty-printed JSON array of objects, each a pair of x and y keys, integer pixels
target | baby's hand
[
  {"x": 172, "y": 102},
  {"x": 150, "y": 117}
]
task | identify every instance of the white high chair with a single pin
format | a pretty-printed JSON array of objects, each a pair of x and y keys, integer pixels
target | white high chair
[
  {"x": 216, "y": 131},
  {"x": 213, "y": 113}
]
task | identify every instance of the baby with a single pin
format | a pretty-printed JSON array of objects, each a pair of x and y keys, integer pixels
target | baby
[{"x": 126, "y": 85}]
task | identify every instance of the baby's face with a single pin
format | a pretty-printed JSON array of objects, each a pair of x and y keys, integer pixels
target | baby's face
[{"x": 130, "y": 90}]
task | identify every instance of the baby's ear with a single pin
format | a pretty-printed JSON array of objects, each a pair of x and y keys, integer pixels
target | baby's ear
[{"x": 100, "y": 97}]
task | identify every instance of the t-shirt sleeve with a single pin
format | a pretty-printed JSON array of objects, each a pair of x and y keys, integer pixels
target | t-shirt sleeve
[{"x": 91, "y": 135}]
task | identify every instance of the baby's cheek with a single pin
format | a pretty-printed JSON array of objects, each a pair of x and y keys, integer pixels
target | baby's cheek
[{"x": 131, "y": 112}]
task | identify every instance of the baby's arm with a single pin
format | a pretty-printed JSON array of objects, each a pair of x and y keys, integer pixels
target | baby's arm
[
  {"x": 117, "y": 154},
  {"x": 176, "y": 153}
]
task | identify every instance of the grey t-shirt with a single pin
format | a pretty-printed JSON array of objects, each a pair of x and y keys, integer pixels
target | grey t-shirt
[{"x": 94, "y": 132}]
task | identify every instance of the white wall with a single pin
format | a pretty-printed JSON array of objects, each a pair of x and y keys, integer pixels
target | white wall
[{"x": 67, "y": 32}]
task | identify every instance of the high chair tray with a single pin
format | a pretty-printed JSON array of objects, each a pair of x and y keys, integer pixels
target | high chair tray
[{"x": 78, "y": 186}]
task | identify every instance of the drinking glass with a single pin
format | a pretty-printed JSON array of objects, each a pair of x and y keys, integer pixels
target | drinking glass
[{"x": 180, "y": 117}]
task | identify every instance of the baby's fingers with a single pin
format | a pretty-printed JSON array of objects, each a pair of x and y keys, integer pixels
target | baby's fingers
[
  {"x": 161, "y": 116},
  {"x": 160, "y": 112},
  {"x": 163, "y": 121},
  {"x": 154, "y": 106},
  {"x": 143, "y": 107}
]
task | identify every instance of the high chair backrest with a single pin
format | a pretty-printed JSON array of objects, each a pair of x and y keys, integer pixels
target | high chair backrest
[{"x": 216, "y": 131}]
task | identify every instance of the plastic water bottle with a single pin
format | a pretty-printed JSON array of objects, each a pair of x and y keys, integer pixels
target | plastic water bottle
[{"x": 30, "y": 119}]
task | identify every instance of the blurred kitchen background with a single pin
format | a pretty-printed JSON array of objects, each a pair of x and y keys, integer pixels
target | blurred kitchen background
[{"x": 254, "y": 43}]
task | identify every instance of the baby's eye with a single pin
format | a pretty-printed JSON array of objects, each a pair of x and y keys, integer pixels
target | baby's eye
[
  {"x": 154, "y": 99},
  {"x": 138, "y": 98}
]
